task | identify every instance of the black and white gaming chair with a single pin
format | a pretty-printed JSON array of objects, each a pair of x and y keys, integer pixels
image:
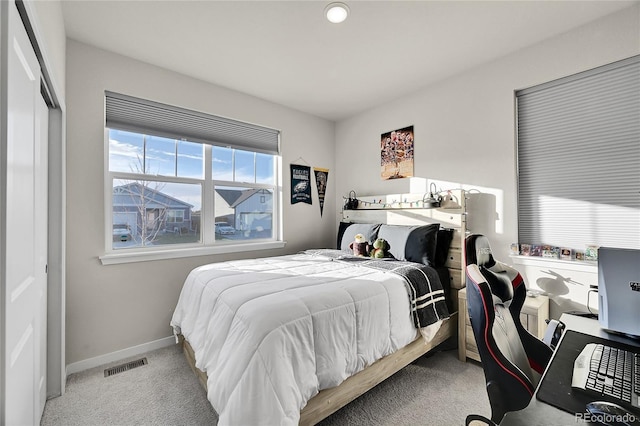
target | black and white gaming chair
[{"x": 512, "y": 358}]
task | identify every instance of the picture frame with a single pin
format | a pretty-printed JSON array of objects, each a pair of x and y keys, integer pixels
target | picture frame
[
  {"x": 396, "y": 153},
  {"x": 550, "y": 252},
  {"x": 591, "y": 253},
  {"x": 536, "y": 250}
]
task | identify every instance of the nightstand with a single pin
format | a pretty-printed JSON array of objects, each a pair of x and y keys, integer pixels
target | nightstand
[{"x": 533, "y": 315}]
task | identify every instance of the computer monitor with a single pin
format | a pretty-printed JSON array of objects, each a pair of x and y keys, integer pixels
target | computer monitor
[{"x": 619, "y": 290}]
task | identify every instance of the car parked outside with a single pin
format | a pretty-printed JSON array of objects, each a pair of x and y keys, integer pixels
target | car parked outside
[
  {"x": 223, "y": 228},
  {"x": 121, "y": 232}
]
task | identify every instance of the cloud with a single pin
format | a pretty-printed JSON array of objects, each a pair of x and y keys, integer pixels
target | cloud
[
  {"x": 124, "y": 149},
  {"x": 190, "y": 156},
  {"x": 217, "y": 160}
]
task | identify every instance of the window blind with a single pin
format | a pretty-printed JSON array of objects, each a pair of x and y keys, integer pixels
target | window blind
[
  {"x": 578, "y": 146},
  {"x": 132, "y": 114}
]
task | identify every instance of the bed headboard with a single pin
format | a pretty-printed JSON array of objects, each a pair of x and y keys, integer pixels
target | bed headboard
[{"x": 409, "y": 209}]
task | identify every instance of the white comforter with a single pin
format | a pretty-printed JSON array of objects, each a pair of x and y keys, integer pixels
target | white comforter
[{"x": 270, "y": 333}]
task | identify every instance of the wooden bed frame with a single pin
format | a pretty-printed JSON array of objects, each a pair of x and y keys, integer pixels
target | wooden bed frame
[
  {"x": 328, "y": 401},
  {"x": 396, "y": 209}
]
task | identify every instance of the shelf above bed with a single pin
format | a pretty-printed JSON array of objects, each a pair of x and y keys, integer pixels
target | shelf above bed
[{"x": 403, "y": 209}]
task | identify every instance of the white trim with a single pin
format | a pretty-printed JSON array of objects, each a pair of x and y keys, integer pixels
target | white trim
[
  {"x": 570, "y": 265},
  {"x": 143, "y": 256},
  {"x": 119, "y": 355}
]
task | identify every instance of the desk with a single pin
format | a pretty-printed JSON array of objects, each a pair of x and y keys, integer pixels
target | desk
[{"x": 540, "y": 413}]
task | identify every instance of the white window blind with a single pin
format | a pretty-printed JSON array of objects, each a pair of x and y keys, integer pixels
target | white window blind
[
  {"x": 579, "y": 159},
  {"x": 132, "y": 114}
]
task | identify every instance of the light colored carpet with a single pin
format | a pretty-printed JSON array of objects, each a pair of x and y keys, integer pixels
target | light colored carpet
[
  {"x": 163, "y": 392},
  {"x": 435, "y": 390}
]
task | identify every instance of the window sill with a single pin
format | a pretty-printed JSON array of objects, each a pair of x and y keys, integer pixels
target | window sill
[
  {"x": 130, "y": 256},
  {"x": 572, "y": 265}
]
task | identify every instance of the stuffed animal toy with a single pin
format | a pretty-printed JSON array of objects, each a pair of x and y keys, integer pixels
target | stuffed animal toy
[
  {"x": 380, "y": 249},
  {"x": 360, "y": 246}
]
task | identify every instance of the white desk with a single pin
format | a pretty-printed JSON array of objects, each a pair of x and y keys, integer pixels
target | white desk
[{"x": 538, "y": 412}]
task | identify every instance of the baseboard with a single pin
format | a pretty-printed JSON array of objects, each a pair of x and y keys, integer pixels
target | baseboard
[{"x": 119, "y": 355}]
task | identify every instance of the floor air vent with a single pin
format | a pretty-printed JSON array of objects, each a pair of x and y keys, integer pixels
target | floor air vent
[{"x": 125, "y": 367}]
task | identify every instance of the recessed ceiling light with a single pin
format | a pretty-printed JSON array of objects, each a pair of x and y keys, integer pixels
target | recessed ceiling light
[{"x": 336, "y": 12}]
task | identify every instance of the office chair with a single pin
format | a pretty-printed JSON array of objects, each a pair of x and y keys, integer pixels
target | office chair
[{"x": 509, "y": 353}]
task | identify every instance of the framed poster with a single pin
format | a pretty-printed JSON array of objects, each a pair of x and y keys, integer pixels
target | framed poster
[{"x": 396, "y": 154}]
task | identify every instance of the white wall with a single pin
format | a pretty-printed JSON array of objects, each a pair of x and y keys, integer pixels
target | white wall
[
  {"x": 114, "y": 307},
  {"x": 568, "y": 284},
  {"x": 465, "y": 128}
]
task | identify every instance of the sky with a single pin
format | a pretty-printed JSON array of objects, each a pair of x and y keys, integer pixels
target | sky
[{"x": 176, "y": 158}]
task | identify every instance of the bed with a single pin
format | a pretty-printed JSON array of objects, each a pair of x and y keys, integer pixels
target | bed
[{"x": 291, "y": 339}]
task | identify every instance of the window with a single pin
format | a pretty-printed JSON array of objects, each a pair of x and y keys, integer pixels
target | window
[
  {"x": 578, "y": 155},
  {"x": 203, "y": 189},
  {"x": 175, "y": 216}
]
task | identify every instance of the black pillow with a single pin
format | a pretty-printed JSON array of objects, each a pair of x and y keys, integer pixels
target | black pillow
[
  {"x": 347, "y": 232},
  {"x": 443, "y": 243},
  {"x": 341, "y": 228},
  {"x": 412, "y": 243}
]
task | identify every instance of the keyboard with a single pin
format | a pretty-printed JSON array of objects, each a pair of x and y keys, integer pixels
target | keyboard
[{"x": 604, "y": 370}]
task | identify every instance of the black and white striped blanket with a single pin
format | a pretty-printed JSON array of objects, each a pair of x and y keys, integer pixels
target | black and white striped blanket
[{"x": 426, "y": 294}]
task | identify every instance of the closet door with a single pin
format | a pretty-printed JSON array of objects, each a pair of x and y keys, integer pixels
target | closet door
[
  {"x": 41, "y": 248},
  {"x": 22, "y": 281}
]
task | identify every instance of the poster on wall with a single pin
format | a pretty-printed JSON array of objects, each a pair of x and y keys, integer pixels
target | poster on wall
[
  {"x": 300, "y": 184},
  {"x": 322, "y": 175},
  {"x": 396, "y": 154}
]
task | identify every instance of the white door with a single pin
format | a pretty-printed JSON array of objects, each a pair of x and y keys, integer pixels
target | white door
[
  {"x": 22, "y": 294},
  {"x": 41, "y": 244}
]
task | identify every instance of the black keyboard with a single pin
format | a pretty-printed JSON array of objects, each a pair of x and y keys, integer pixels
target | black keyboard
[{"x": 605, "y": 370}]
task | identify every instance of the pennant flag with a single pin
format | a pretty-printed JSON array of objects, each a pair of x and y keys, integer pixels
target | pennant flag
[{"x": 322, "y": 175}]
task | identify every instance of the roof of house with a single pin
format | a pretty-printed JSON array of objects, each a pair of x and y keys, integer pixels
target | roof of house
[
  {"x": 248, "y": 194},
  {"x": 229, "y": 195},
  {"x": 129, "y": 195}
]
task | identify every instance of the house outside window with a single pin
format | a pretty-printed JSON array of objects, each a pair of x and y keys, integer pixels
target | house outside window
[
  {"x": 166, "y": 192},
  {"x": 158, "y": 184}
]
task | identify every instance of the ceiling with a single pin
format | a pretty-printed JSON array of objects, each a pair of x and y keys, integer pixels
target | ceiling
[{"x": 288, "y": 53}]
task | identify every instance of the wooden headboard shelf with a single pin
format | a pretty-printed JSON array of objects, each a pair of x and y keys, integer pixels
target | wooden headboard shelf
[{"x": 408, "y": 209}]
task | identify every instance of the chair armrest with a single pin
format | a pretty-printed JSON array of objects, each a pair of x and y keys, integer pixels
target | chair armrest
[{"x": 553, "y": 333}]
